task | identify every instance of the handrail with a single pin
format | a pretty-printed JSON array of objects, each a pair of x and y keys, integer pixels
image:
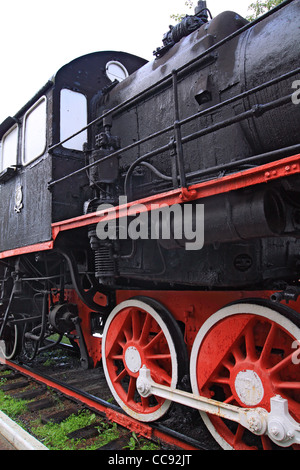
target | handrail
[
  {"x": 179, "y": 141},
  {"x": 169, "y": 128},
  {"x": 255, "y": 111}
]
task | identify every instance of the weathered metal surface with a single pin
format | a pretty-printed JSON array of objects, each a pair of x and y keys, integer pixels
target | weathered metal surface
[{"x": 28, "y": 221}]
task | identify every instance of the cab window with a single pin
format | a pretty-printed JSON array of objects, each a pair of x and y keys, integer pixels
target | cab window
[
  {"x": 34, "y": 131},
  {"x": 9, "y": 148},
  {"x": 73, "y": 117}
]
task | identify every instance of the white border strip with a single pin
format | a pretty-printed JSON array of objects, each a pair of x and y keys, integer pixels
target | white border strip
[{"x": 17, "y": 436}]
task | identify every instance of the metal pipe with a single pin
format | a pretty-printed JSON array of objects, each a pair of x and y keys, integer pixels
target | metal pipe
[
  {"x": 256, "y": 159},
  {"x": 177, "y": 129},
  {"x": 255, "y": 111}
]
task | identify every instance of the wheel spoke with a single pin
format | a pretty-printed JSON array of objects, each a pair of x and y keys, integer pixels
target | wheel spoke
[
  {"x": 145, "y": 403},
  {"x": 227, "y": 364},
  {"x": 121, "y": 343},
  {"x": 237, "y": 354},
  {"x": 230, "y": 399},
  {"x": 160, "y": 375},
  {"x": 119, "y": 338},
  {"x": 116, "y": 357},
  {"x": 289, "y": 385},
  {"x": 267, "y": 347},
  {"x": 146, "y": 330},
  {"x": 154, "y": 341},
  {"x": 238, "y": 438},
  {"x": 250, "y": 342},
  {"x": 127, "y": 331},
  {"x": 136, "y": 325},
  {"x": 120, "y": 376},
  {"x": 281, "y": 365},
  {"x": 131, "y": 389},
  {"x": 159, "y": 357}
]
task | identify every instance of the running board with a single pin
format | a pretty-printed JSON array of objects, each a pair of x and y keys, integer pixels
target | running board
[{"x": 281, "y": 428}]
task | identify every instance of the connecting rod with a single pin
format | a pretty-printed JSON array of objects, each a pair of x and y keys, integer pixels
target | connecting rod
[{"x": 281, "y": 428}]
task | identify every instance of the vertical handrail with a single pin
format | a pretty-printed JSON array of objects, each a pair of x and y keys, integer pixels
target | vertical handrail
[{"x": 177, "y": 129}]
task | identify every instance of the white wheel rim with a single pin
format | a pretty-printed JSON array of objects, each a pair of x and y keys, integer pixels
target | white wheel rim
[{"x": 236, "y": 309}]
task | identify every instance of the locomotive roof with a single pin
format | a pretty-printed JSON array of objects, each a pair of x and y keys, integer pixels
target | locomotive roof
[{"x": 88, "y": 60}]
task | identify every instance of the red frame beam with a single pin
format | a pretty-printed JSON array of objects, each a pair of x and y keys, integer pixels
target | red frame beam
[
  {"x": 242, "y": 179},
  {"x": 27, "y": 249}
]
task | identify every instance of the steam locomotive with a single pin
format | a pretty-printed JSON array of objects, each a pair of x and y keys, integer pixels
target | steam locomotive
[{"x": 150, "y": 212}]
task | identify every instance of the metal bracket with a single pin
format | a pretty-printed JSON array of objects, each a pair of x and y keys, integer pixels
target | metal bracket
[
  {"x": 84, "y": 356},
  {"x": 278, "y": 424},
  {"x": 282, "y": 428}
]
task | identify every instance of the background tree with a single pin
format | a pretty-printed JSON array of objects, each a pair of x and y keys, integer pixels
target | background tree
[
  {"x": 257, "y": 8},
  {"x": 260, "y": 7},
  {"x": 178, "y": 17}
]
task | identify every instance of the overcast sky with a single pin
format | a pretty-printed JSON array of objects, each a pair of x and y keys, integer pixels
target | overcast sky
[{"x": 37, "y": 37}]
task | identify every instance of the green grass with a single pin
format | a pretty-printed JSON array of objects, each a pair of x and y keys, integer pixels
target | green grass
[
  {"x": 55, "y": 436},
  {"x": 136, "y": 443},
  {"x": 12, "y": 407}
]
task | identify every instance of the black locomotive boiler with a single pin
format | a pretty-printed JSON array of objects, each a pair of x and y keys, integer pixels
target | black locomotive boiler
[{"x": 150, "y": 212}]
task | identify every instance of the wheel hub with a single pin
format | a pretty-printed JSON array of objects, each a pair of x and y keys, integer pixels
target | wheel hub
[
  {"x": 133, "y": 359},
  {"x": 249, "y": 387}
]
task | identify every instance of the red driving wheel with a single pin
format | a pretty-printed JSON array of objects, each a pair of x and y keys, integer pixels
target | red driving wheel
[
  {"x": 141, "y": 332},
  {"x": 244, "y": 355}
]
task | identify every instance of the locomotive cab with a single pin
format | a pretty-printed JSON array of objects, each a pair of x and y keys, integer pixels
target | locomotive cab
[
  {"x": 25, "y": 205},
  {"x": 56, "y": 112}
]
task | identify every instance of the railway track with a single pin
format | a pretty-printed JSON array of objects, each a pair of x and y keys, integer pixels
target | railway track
[
  {"x": 58, "y": 387},
  {"x": 46, "y": 408}
]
